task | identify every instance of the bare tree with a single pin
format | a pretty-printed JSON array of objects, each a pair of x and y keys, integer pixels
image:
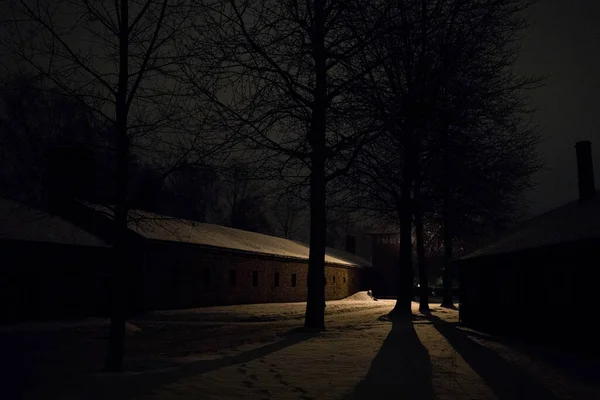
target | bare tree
[
  {"x": 120, "y": 60},
  {"x": 456, "y": 119},
  {"x": 293, "y": 67},
  {"x": 244, "y": 197},
  {"x": 36, "y": 126},
  {"x": 288, "y": 213}
]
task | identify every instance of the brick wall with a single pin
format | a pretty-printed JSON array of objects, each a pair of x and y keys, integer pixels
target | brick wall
[
  {"x": 48, "y": 280},
  {"x": 180, "y": 276}
]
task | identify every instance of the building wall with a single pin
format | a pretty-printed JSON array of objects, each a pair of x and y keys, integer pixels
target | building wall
[
  {"x": 535, "y": 292},
  {"x": 48, "y": 280},
  {"x": 180, "y": 276},
  {"x": 385, "y": 255}
]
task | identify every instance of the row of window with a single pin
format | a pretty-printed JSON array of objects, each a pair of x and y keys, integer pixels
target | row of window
[
  {"x": 233, "y": 278},
  {"x": 392, "y": 239}
]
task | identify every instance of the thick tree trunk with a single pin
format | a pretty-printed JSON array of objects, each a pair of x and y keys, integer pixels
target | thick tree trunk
[
  {"x": 422, "y": 262},
  {"x": 115, "y": 353},
  {"x": 315, "y": 302},
  {"x": 405, "y": 285}
]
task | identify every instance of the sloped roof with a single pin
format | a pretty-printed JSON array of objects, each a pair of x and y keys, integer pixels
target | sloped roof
[
  {"x": 571, "y": 222},
  {"x": 21, "y": 222},
  {"x": 161, "y": 227}
]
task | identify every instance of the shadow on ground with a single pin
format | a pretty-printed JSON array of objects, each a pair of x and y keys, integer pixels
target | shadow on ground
[
  {"x": 506, "y": 380},
  {"x": 578, "y": 365},
  {"x": 401, "y": 369},
  {"x": 126, "y": 386}
]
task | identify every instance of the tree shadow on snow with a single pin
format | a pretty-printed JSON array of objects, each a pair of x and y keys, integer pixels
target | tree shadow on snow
[
  {"x": 506, "y": 380},
  {"x": 578, "y": 365},
  {"x": 401, "y": 369},
  {"x": 126, "y": 386}
]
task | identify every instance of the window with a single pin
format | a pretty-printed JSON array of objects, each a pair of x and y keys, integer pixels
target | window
[
  {"x": 254, "y": 278},
  {"x": 344, "y": 279},
  {"x": 276, "y": 279},
  {"x": 333, "y": 279},
  {"x": 293, "y": 280},
  {"x": 206, "y": 277},
  {"x": 232, "y": 278}
]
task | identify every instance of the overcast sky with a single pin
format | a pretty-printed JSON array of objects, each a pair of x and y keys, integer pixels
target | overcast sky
[{"x": 564, "y": 45}]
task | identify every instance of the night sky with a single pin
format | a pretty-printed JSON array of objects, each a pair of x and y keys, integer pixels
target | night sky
[{"x": 564, "y": 45}]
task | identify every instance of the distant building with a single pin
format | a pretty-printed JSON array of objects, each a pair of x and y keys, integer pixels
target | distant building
[
  {"x": 175, "y": 264},
  {"x": 385, "y": 258},
  {"x": 48, "y": 266},
  {"x": 542, "y": 276}
]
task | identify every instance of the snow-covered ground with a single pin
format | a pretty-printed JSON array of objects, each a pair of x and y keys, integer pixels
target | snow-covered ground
[
  {"x": 258, "y": 352},
  {"x": 363, "y": 356}
]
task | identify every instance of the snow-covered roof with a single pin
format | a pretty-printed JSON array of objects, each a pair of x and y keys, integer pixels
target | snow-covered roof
[
  {"x": 21, "y": 222},
  {"x": 571, "y": 222},
  {"x": 161, "y": 227}
]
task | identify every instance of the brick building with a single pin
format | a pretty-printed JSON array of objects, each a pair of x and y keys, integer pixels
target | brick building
[{"x": 175, "y": 263}]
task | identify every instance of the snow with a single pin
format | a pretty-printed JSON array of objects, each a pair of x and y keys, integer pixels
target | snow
[
  {"x": 161, "y": 227},
  {"x": 262, "y": 312},
  {"x": 373, "y": 359},
  {"x": 359, "y": 296},
  {"x": 21, "y": 222},
  {"x": 359, "y": 356},
  {"x": 49, "y": 326}
]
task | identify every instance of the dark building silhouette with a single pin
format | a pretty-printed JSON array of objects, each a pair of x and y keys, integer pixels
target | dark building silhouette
[
  {"x": 49, "y": 266},
  {"x": 54, "y": 267},
  {"x": 542, "y": 276},
  {"x": 385, "y": 258}
]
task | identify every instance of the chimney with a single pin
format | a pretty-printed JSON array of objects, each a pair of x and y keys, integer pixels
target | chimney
[
  {"x": 585, "y": 170},
  {"x": 350, "y": 244}
]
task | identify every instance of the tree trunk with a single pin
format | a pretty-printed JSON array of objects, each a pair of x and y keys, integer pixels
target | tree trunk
[
  {"x": 115, "y": 353},
  {"x": 422, "y": 262},
  {"x": 315, "y": 302},
  {"x": 405, "y": 285}
]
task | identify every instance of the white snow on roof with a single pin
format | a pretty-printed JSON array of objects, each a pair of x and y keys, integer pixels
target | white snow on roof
[
  {"x": 161, "y": 227},
  {"x": 21, "y": 222},
  {"x": 571, "y": 222}
]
